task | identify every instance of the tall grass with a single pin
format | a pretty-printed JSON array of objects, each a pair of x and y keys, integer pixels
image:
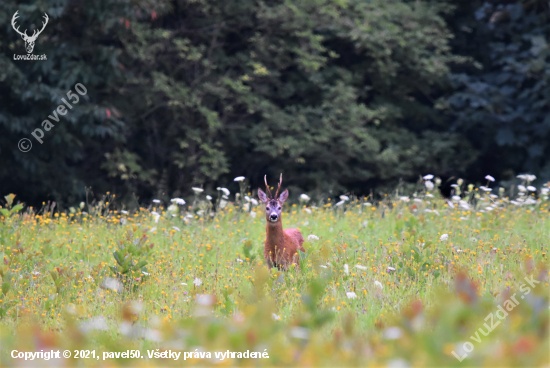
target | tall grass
[{"x": 405, "y": 281}]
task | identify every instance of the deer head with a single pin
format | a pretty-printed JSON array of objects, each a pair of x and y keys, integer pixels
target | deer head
[
  {"x": 273, "y": 205},
  {"x": 29, "y": 40}
]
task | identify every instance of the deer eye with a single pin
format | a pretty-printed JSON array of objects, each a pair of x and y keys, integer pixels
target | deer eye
[
  {"x": 267, "y": 208},
  {"x": 279, "y": 208}
]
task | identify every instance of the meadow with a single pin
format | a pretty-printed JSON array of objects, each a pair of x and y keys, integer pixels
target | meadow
[{"x": 398, "y": 281}]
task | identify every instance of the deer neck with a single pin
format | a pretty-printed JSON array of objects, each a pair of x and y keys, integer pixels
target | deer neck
[{"x": 274, "y": 236}]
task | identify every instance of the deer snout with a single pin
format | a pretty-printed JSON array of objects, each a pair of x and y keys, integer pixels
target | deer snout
[{"x": 273, "y": 217}]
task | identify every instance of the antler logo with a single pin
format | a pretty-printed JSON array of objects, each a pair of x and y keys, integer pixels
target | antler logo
[{"x": 29, "y": 40}]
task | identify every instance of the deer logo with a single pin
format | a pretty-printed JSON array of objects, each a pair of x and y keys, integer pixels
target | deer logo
[{"x": 29, "y": 40}]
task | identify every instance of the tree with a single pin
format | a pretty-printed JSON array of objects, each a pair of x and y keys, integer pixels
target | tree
[{"x": 501, "y": 102}]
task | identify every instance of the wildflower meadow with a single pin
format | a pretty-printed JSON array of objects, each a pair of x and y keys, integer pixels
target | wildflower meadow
[{"x": 397, "y": 280}]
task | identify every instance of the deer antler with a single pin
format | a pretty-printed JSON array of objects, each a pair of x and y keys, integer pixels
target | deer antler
[
  {"x": 24, "y": 34},
  {"x": 15, "y": 16},
  {"x": 35, "y": 34},
  {"x": 267, "y": 186},
  {"x": 279, "y": 187}
]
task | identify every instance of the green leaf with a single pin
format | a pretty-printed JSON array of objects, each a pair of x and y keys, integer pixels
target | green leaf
[
  {"x": 9, "y": 198},
  {"x": 5, "y": 288},
  {"x": 16, "y": 208}
]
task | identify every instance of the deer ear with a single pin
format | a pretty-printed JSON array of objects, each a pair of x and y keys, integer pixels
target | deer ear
[
  {"x": 283, "y": 196},
  {"x": 262, "y": 196}
]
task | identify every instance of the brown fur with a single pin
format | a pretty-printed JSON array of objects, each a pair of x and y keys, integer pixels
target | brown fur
[{"x": 281, "y": 246}]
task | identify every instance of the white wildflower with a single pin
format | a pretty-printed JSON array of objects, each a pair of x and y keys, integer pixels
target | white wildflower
[
  {"x": 253, "y": 201},
  {"x": 179, "y": 201},
  {"x": 392, "y": 333},
  {"x": 404, "y": 199},
  {"x": 312, "y": 237},
  {"x": 485, "y": 189},
  {"x": 490, "y": 178},
  {"x": 253, "y": 214},
  {"x": 361, "y": 267},
  {"x": 197, "y": 190},
  {"x": 300, "y": 333},
  {"x": 156, "y": 215},
  {"x": 344, "y": 197},
  {"x": 208, "y": 197},
  {"x": 346, "y": 269},
  {"x": 444, "y": 237},
  {"x": 247, "y": 198},
  {"x": 197, "y": 282},
  {"x": 522, "y": 188},
  {"x": 156, "y": 200},
  {"x": 531, "y": 188},
  {"x": 429, "y": 184},
  {"x": 205, "y": 299},
  {"x": 239, "y": 178},
  {"x": 307, "y": 210},
  {"x": 456, "y": 198},
  {"x": 340, "y": 203},
  {"x": 398, "y": 363},
  {"x": 351, "y": 295},
  {"x": 378, "y": 284},
  {"x": 124, "y": 212},
  {"x": 390, "y": 269},
  {"x": 112, "y": 284},
  {"x": 176, "y": 228},
  {"x": 428, "y": 177},
  {"x": 323, "y": 266},
  {"x": 275, "y": 317},
  {"x": 224, "y": 190},
  {"x": 304, "y": 197}
]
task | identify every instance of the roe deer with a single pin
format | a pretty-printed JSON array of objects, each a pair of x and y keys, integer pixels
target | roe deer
[{"x": 281, "y": 246}]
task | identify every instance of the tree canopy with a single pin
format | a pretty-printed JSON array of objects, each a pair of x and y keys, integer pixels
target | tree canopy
[{"x": 339, "y": 95}]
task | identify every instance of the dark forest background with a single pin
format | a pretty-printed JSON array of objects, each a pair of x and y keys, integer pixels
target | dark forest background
[{"x": 339, "y": 95}]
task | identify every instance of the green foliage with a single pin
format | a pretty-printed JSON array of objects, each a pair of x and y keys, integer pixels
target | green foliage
[
  {"x": 335, "y": 94},
  {"x": 131, "y": 259},
  {"x": 345, "y": 306},
  {"x": 339, "y": 95},
  {"x": 500, "y": 101},
  {"x": 11, "y": 209}
]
